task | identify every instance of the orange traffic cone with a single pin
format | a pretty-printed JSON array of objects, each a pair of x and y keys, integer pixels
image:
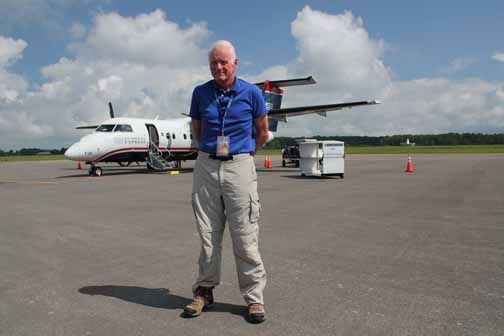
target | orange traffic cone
[
  {"x": 409, "y": 165},
  {"x": 267, "y": 162},
  {"x": 270, "y": 164},
  {"x": 79, "y": 165}
]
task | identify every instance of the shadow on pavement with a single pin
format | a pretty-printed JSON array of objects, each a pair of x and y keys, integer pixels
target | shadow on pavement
[
  {"x": 313, "y": 178},
  {"x": 157, "y": 298},
  {"x": 118, "y": 171}
]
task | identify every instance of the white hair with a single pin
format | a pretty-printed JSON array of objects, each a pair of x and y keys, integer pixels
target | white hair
[{"x": 225, "y": 44}]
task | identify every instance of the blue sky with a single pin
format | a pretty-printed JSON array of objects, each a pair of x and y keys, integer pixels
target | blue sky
[{"x": 422, "y": 53}]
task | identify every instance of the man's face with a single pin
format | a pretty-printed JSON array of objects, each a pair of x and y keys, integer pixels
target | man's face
[{"x": 222, "y": 66}]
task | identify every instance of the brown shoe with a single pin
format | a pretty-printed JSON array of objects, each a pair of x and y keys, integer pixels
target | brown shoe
[
  {"x": 203, "y": 297},
  {"x": 257, "y": 314}
]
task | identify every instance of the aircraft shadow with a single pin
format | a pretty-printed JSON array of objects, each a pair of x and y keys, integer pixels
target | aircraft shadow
[
  {"x": 157, "y": 298},
  {"x": 116, "y": 171},
  {"x": 313, "y": 178},
  {"x": 276, "y": 170}
]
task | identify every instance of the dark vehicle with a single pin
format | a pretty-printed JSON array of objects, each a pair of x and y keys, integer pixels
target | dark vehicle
[{"x": 290, "y": 154}]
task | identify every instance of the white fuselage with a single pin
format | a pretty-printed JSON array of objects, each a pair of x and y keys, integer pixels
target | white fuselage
[{"x": 128, "y": 140}]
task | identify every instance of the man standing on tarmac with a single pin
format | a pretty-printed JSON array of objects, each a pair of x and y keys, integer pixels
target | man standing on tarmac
[{"x": 229, "y": 121}]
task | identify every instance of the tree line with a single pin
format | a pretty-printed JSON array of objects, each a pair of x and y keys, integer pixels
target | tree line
[
  {"x": 446, "y": 139},
  {"x": 32, "y": 151}
]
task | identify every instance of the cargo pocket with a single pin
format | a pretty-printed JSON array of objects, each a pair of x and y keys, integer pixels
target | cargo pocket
[{"x": 255, "y": 208}]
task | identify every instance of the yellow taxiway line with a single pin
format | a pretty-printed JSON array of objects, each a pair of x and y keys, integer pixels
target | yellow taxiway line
[{"x": 27, "y": 182}]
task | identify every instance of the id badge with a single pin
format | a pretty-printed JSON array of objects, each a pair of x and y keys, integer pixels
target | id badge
[{"x": 222, "y": 146}]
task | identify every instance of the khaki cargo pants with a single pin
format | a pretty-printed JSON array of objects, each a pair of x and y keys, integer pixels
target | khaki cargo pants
[{"x": 226, "y": 192}]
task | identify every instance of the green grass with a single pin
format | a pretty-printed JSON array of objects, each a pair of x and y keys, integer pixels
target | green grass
[
  {"x": 473, "y": 149},
  {"x": 31, "y": 158}
]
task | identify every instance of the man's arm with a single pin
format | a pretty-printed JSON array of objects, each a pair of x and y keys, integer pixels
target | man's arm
[
  {"x": 261, "y": 131},
  {"x": 196, "y": 129}
]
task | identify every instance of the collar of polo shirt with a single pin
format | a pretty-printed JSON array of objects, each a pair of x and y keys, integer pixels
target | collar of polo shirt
[{"x": 233, "y": 89}]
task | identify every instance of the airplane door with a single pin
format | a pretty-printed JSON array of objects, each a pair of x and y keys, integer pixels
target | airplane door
[{"x": 153, "y": 135}]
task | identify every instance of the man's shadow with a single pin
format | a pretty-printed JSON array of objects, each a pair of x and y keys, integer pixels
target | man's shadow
[{"x": 157, "y": 298}]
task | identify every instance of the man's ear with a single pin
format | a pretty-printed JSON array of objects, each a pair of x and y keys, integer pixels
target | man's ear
[{"x": 236, "y": 62}]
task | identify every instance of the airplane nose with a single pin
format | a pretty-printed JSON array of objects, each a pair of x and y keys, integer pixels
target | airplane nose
[{"x": 73, "y": 152}]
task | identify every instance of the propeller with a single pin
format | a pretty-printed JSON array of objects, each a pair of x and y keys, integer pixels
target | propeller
[{"x": 111, "y": 110}]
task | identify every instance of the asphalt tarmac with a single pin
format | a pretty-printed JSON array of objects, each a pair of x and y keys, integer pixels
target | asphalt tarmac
[{"x": 380, "y": 252}]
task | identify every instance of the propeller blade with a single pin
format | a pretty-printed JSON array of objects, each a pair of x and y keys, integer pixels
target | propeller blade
[{"x": 111, "y": 110}]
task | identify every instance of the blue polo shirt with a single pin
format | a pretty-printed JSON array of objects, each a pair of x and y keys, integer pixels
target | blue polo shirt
[{"x": 208, "y": 105}]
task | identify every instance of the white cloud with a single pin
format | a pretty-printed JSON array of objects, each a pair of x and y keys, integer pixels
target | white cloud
[
  {"x": 338, "y": 51},
  {"x": 498, "y": 57},
  {"x": 110, "y": 87},
  {"x": 458, "y": 65},
  {"x": 148, "y": 65},
  {"x": 147, "y": 39},
  {"x": 77, "y": 30},
  {"x": 348, "y": 65},
  {"x": 145, "y": 65},
  {"x": 11, "y": 85},
  {"x": 10, "y": 50}
]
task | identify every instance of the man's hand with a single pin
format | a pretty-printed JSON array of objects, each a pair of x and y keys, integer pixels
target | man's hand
[
  {"x": 196, "y": 129},
  {"x": 261, "y": 131}
]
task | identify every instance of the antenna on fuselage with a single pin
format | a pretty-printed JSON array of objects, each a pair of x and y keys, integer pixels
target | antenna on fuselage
[{"x": 111, "y": 110}]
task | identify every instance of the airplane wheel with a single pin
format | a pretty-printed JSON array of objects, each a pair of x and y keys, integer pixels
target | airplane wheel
[
  {"x": 98, "y": 171},
  {"x": 283, "y": 163}
]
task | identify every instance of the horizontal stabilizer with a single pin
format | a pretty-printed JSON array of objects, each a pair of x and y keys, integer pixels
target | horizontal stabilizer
[
  {"x": 283, "y": 113},
  {"x": 87, "y": 127},
  {"x": 288, "y": 82}
]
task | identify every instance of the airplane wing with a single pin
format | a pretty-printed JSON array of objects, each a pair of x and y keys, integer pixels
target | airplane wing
[
  {"x": 87, "y": 127},
  {"x": 288, "y": 82},
  {"x": 283, "y": 113}
]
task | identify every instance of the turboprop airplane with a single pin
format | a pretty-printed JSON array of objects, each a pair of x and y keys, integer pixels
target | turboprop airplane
[{"x": 159, "y": 142}]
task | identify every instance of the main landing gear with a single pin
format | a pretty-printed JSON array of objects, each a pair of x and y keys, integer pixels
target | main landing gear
[{"x": 95, "y": 171}]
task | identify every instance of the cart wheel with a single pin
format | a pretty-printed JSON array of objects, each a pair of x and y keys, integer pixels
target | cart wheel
[
  {"x": 342, "y": 176},
  {"x": 297, "y": 163}
]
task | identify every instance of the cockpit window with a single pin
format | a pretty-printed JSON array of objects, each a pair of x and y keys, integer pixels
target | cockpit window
[
  {"x": 105, "y": 128},
  {"x": 123, "y": 128}
]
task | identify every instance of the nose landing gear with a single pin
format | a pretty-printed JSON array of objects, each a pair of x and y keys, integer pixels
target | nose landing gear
[{"x": 95, "y": 171}]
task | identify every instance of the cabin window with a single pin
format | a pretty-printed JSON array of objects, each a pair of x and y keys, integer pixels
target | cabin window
[
  {"x": 190, "y": 135},
  {"x": 173, "y": 136},
  {"x": 105, "y": 128},
  {"x": 168, "y": 136},
  {"x": 185, "y": 136},
  {"x": 123, "y": 128}
]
